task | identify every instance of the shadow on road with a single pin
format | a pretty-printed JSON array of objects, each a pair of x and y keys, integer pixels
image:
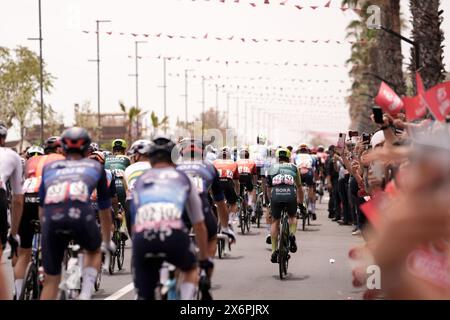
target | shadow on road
[
  {"x": 233, "y": 257},
  {"x": 310, "y": 230},
  {"x": 249, "y": 234},
  {"x": 290, "y": 277}
]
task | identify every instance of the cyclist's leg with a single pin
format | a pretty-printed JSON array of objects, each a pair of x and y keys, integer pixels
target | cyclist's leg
[
  {"x": 3, "y": 219},
  {"x": 26, "y": 232},
  {"x": 291, "y": 208},
  {"x": 145, "y": 270},
  {"x": 276, "y": 208},
  {"x": 53, "y": 248},
  {"x": 211, "y": 227},
  {"x": 88, "y": 236},
  {"x": 181, "y": 253}
]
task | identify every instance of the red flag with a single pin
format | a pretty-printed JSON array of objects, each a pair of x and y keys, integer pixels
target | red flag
[
  {"x": 416, "y": 107},
  {"x": 373, "y": 208},
  {"x": 438, "y": 101},
  {"x": 419, "y": 84},
  {"x": 388, "y": 100}
]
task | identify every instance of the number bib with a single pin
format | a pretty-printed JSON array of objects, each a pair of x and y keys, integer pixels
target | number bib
[
  {"x": 61, "y": 192},
  {"x": 30, "y": 185},
  {"x": 283, "y": 179}
]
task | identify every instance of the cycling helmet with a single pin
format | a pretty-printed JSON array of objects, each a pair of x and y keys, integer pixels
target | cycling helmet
[
  {"x": 192, "y": 146},
  {"x": 283, "y": 153},
  {"x": 320, "y": 149},
  {"x": 261, "y": 139},
  {"x": 226, "y": 153},
  {"x": 119, "y": 144},
  {"x": 52, "y": 143},
  {"x": 35, "y": 151},
  {"x": 244, "y": 153},
  {"x": 75, "y": 140},
  {"x": 139, "y": 146},
  {"x": 3, "y": 130},
  {"x": 98, "y": 156},
  {"x": 161, "y": 145}
]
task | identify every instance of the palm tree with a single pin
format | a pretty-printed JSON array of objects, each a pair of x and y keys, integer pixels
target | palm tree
[
  {"x": 156, "y": 123},
  {"x": 426, "y": 21},
  {"x": 132, "y": 114}
]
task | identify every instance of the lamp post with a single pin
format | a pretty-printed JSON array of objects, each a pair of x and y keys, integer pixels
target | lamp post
[{"x": 186, "y": 96}]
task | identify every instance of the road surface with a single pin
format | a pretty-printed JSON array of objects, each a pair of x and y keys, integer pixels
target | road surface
[{"x": 319, "y": 270}]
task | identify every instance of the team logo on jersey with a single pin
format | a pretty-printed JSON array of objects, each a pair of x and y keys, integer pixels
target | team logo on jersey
[{"x": 158, "y": 215}]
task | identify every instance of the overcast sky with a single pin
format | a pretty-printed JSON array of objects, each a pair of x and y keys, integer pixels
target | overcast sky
[{"x": 67, "y": 50}]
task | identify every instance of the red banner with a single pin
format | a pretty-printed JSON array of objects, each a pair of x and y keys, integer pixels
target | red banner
[
  {"x": 438, "y": 100},
  {"x": 388, "y": 100}
]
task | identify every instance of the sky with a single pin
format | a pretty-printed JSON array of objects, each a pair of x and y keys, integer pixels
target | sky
[{"x": 67, "y": 51}]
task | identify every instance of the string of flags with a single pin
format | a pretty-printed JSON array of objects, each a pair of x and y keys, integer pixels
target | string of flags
[
  {"x": 327, "y": 4},
  {"x": 206, "y": 36},
  {"x": 235, "y": 61}
]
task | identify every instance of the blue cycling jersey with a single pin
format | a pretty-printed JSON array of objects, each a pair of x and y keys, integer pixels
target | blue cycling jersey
[
  {"x": 161, "y": 199},
  {"x": 71, "y": 182}
]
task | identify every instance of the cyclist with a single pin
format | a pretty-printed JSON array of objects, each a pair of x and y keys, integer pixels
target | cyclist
[
  {"x": 140, "y": 163},
  {"x": 117, "y": 163},
  {"x": 33, "y": 177},
  {"x": 206, "y": 178},
  {"x": 161, "y": 198},
  {"x": 285, "y": 189},
  {"x": 259, "y": 154},
  {"x": 34, "y": 151},
  {"x": 228, "y": 174},
  {"x": 247, "y": 178},
  {"x": 64, "y": 197},
  {"x": 307, "y": 164},
  {"x": 10, "y": 172},
  {"x": 210, "y": 153},
  {"x": 53, "y": 145}
]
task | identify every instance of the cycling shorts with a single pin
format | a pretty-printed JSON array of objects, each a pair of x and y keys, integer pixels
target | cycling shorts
[
  {"x": 177, "y": 249},
  {"x": 260, "y": 172},
  {"x": 30, "y": 213},
  {"x": 308, "y": 178},
  {"x": 210, "y": 221},
  {"x": 229, "y": 191},
  {"x": 283, "y": 198},
  {"x": 81, "y": 221},
  {"x": 247, "y": 182}
]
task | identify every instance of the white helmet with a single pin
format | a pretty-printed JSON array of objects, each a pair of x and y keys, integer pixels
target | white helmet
[
  {"x": 261, "y": 139},
  {"x": 34, "y": 151},
  {"x": 140, "y": 146}
]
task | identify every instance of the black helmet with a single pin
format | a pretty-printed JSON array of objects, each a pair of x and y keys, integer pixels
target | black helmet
[
  {"x": 3, "y": 130},
  {"x": 52, "y": 143},
  {"x": 75, "y": 140},
  {"x": 162, "y": 145}
]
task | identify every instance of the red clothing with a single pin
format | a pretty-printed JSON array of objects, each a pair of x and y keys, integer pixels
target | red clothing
[
  {"x": 33, "y": 171},
  {"x": 228, "y": 169},
  {"x": 246, "y": 166}
]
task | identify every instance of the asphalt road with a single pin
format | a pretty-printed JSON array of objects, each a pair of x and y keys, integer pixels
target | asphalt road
[{"x": 319, "y": 270}]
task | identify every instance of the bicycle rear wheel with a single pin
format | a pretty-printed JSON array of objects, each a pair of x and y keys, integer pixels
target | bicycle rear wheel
[
  {"x": 242, "y": 220},
  {"x": 121, "y": 254}
]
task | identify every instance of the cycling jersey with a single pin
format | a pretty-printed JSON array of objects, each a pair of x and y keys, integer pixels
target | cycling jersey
[
  {"x": 227, "y": 169},
  {"x": 64, "y": 195},
  {"x": 111, "y": 187},
  {"x": 118, "y": 164},
  {"x": 259, "y": 154},
  {"x": 132, "y": 173},
  {"x": 33, "y": 177},
  {"x": 10, "y": 170},
  {"x": 284, "y": 180},
  {"x": 305, "y": 162},
  {"x": 246, "y": 167},
  {"x": 206, "y": 179},
  {"x": 160, "y": 199}
]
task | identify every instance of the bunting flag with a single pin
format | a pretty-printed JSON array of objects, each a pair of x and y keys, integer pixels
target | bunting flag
[
  {"x": 325, "y": 4},
  {"x": 388, "y": 100},
  {"x": 229, "y": 62},
  {"x": 247, "y": 39},
  {"x": 416, "y": 107},
  {"x": 438, "y": 101}
]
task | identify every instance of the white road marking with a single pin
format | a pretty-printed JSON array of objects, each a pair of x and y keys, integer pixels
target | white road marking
[{"x": 121, "y": 292}]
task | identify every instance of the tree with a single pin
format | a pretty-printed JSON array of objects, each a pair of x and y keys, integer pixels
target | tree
[
  {"x": 156, "y": 123},
  {"x": 133, "y": 115},
  {"x": 426, "y": 21},
  {"x": 19, "y": 86}
]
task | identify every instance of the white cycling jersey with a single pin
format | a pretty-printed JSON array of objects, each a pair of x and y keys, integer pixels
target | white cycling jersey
[
  {"x": 132, "y": 173},
  {"x": 259, "y": 154},
  {"x": 11, "y": 170}
]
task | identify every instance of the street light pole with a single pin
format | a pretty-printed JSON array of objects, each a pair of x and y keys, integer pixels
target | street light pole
[
  {"x": 41, "y": 72},
  {"x": 165, "y": 94},
  {"x": 98, "y": 77},
  {"x": 186, "y": 97},
  {"x": 228, "y": 110}
]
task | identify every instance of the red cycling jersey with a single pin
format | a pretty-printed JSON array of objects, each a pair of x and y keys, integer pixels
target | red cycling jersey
[
  {"x": 246, "y": 167},
  {"x": 33, "y": 171},
  {"x": 228, "y": 169}
]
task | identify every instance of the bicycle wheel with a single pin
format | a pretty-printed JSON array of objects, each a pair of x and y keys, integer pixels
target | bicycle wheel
[
  {"x": 30, "y": 287},
  {"x": 121, "y": 254},
  {"x": 98, "y": 280},
  {"x": 248, "y": 220},
  {"x": 242, "y": 220}
]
